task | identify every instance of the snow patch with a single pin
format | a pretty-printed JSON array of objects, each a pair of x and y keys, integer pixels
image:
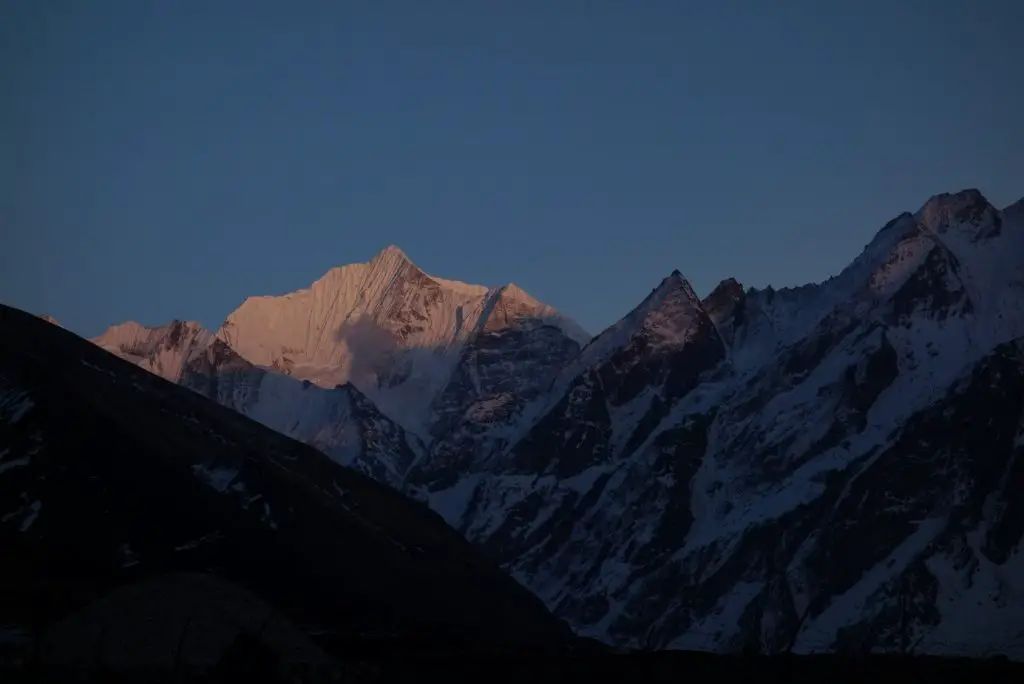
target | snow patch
[
  {"x": 218, "y": 477},
  {"x": 33, "y": 515}
]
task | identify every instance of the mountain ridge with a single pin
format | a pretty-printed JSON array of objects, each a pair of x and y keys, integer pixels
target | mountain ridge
[{"x": 655, "y": 459}]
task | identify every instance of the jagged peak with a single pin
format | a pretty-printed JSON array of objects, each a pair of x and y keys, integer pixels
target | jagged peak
[
  {"x": 128, "y": 330},
  {"x": 944, "y": 209},
  {"x": 515, "y": 292},
  {"x": 1015, "y": 209},
  {"x": 391, "y": 254},
  {"x": 510, "y": 303},
  {"x": 51, "y": 320},
  {"x": 667, "y": 313},
  {"x": 962, "y": 197},
  {"x": 381, "y": 268},
  {"x": 673, "y": 283},
  {"x": 729, "y": 287}
]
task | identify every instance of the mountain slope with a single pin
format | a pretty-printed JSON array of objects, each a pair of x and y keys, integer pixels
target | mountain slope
[
  {"x": 164, "y": 350},
  {"x": 715, "y": 474},
  {"x": 109, "y": 475},
  {"x": 505, "y": 368},
  {"x": 341, "y": 422}
]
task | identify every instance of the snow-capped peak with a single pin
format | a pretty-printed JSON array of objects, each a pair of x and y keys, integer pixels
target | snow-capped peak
[
  {"x": 163, "y": 350},
  {"x": 390, "y": 260},
  {"x": 511, "y": 302},
  {"x": 665, "y": 318},
  {"x": 391, "y": 252},
  {"x": 967, "y": 209},
  {"x": 130, "y": 333},
  {"x": 513, "y": 290},
  {"x": 388, "y": 327}
]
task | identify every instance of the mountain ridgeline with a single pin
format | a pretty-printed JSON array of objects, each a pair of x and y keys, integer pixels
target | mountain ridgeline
[{"x": 822, "y": 468}]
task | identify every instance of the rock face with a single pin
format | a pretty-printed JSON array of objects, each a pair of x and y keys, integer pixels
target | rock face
[
  {"x": 110, "y": 476},
  {"x": 826, "y": 467}
]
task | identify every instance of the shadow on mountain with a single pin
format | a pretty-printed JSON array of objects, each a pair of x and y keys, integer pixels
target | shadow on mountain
[{"x": 370, "y": 346}]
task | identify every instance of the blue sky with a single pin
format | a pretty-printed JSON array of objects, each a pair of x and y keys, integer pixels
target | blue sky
[{"x": 168, "y": 159}]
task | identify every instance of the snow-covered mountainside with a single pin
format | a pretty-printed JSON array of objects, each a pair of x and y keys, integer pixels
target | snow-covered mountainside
[
  {"x": 504, "y": 371},
  {"x": 823, "y": 467},
  {"x": 812, "y": 468},
  {"x": 385, "y": 326},
  {"x": 457, "y": 363},
  {"x": 341, "y": 422},
  {"x": 164, "y": 351}
]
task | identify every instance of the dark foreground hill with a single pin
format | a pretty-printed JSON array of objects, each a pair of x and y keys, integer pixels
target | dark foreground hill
[{"x": 144, "y": 526}]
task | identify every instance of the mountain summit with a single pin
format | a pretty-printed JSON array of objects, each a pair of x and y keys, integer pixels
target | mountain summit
[{"x": 393, "y": 331}]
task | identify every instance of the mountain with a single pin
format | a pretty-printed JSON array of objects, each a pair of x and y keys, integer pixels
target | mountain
[
  {"x": 371, "y": 364},
  {"x": 165, "y": 351},
  {"x": 823, "y": 467},
  {"x": 502, "y": 374},
  {"x": 341, "y": 422},
  {"x": 828, "y": 467},
  {"x": 120, "y": 490},
  {"x": 385, "y": 326}
]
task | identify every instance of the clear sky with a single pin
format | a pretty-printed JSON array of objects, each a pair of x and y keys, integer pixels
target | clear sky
[{"x": 167, "y": 159}]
